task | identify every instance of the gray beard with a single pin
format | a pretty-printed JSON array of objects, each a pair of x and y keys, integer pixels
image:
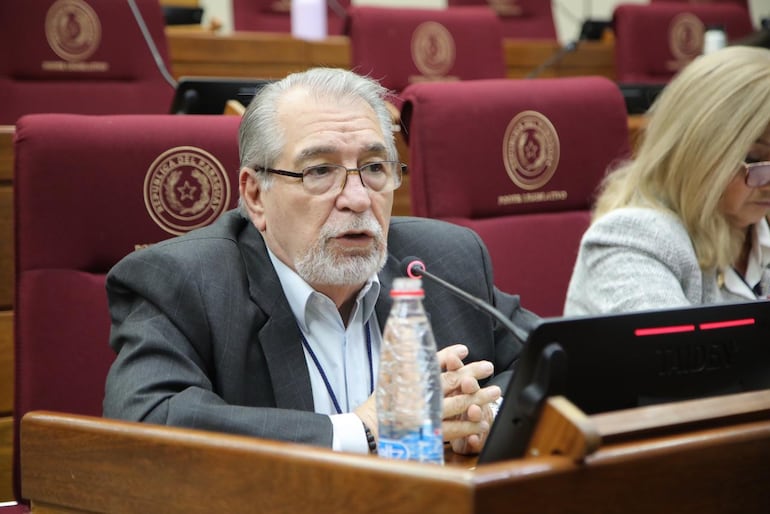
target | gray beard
[{"x": 323, "y": 266}]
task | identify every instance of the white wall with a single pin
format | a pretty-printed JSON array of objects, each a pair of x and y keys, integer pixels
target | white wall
[{"x": 568, "y": 14}]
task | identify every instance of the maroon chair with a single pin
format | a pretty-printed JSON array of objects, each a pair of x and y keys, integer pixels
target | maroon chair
[
  {"x": 518, "y": 161},
  {"x": 89, "y": 190},
  {"x": 82, "y": 56},
  {"x": 399, "y": 47},
  {"x": 521, "y": 19},
  {"x": 653, "y": 42},
  {"x": 275, "y": 15}
]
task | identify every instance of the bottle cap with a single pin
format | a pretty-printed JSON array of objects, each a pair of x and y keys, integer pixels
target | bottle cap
[{"x": 407, "y": 287}]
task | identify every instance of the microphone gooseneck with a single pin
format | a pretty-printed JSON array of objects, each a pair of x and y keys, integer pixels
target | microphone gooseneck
[{"x": 414, "y": 267}]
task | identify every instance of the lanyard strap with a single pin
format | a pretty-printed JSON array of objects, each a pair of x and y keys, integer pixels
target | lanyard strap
[{"x": 323, "y": 373}]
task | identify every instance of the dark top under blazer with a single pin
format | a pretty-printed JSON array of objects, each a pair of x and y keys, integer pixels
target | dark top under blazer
[{"x": 205, "y": 337}]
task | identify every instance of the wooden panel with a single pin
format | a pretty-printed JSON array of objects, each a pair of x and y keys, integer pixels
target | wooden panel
[
  {"x": 6, "y": 459},
  {"x": 6, "y": 362},
  {"x": 636, "y": 124},
  {"x": 589, "y": 58},
  {"x": 241, "y": 54},
  {"x": 273, "y": 55},
  {"x": 6, "y": 153},
  {"x": 6, "y": 246},
  {"x": 6, "y": 217},
  {"x": 334, "y": 51},
  {"x": 78, "y": 463},
  {"x": 194, "y": 471}
]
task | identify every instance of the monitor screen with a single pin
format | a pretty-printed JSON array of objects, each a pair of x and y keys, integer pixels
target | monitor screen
[
  {"x": 208, "y": 95},
  {"x": 639, "y": 97},
  {"x": 620, "y": 361}
]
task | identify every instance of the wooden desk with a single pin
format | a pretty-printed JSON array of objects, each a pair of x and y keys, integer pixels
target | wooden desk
[
  {"x": 273, "y": 55},
  {"x": 251, "y": 54},
  {"x": 80, "y": 464},
  {"x": 589, "y": 58}
]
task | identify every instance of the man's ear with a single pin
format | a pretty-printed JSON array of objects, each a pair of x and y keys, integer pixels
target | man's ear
[{"x": 251, "y": 197}]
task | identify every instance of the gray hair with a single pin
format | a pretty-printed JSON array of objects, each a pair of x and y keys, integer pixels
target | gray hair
[{"x": 261, "y": 136}]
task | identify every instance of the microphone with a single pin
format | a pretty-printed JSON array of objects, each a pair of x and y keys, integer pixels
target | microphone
[{"x": 413, "y": 267}]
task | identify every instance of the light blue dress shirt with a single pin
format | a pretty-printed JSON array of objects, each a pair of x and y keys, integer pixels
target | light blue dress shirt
[{"x": 341, "y": 350}]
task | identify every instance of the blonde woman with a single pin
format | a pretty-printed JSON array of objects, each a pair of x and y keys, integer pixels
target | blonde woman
[{"x": 684, "y": 223}]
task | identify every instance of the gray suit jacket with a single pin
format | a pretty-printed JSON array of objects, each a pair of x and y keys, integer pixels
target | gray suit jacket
[
  {"x": 634, "y": 259},
  {"x": 205, "y": 337}
]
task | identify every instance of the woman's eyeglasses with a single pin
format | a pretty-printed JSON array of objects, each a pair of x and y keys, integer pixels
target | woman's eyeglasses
[{"x": 757, "y": 173}]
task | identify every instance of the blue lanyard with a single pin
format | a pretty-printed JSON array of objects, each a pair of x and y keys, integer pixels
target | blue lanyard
[{"x": 323, "y": 373}]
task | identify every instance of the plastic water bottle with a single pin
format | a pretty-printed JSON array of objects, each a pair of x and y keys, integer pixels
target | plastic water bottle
[{"x": 409, "y": 396}]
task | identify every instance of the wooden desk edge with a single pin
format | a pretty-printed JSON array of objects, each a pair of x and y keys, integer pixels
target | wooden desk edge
[{"x": 94, "y": 464}]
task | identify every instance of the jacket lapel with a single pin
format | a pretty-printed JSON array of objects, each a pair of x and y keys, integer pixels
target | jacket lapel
[{"x": 279, "y": 336}]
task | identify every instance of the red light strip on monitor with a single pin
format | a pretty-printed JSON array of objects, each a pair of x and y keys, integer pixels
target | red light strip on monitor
[
  {"x": 727, "y": 324},
  {"x": 656, "y": 331},
  {"x": 675, "y": 329}
]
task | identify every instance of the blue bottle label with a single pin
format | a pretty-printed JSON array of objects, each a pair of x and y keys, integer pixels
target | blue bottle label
[{"x": 422, "y": 445}]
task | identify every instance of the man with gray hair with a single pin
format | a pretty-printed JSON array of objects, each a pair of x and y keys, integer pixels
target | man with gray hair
[{"x": 269, "y": 322}]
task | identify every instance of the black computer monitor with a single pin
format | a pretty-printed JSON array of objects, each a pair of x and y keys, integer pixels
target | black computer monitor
[
  {"x": 620, "y": 361},
  {"x": 208, "y": 95},
  {"x": 639, "y": 97}
]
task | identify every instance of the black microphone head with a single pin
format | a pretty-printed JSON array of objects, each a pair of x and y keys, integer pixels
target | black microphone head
[{"x": 412, "y": 267}]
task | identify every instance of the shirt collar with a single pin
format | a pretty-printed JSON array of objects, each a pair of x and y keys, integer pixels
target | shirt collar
[
  {"x": 759, "y": 260},
  {"x": 300, "y": 294}
]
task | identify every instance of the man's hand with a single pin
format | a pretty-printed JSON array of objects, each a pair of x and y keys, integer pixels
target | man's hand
[{"x": 466, "y": 412}]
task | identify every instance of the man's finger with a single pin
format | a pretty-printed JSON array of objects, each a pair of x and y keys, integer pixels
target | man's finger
[{"x": 458, "y": 404}]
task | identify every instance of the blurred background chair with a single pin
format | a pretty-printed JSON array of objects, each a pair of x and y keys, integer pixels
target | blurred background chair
[
  {"x": 403, "y": 46},
  {"x": 95, "y": 57},
  {"x": 654, "y": 41},
  {"x": 88, "y": 191},
  {"x": 521, "y": 19},
  {"x": 274, "y": 15},
  {"x": 519, "y": 162}
]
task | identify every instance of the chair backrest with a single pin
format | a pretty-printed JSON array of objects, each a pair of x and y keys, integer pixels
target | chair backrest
[
  {"x": 653, "y": 42},
  {"x": 521, "y": 19},
  {"x": 399, "y": 47},
  {"x": 518, "y": 161},
  {"x": 89, "y": 190},
  {"x": 82, "y": 56},
  {"x": 275, "y": 15}
]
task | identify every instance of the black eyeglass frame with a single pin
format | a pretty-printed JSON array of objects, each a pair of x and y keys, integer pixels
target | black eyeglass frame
[{"x": 399, "y": 167}]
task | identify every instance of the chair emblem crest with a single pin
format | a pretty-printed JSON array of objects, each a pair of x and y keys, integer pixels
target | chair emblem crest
[
  {"x": 433, "y": 49},
  {"x": 73, "y": 30},
  {"x": 186, "y": 188},
  {"x": 685, "y": 39},
  {"x": 531, "y": 150}
]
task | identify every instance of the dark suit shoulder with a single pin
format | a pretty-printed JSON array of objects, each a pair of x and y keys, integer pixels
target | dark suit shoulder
[
  {"x": 414, "y": 228},
  {"x": 208, "y": 252}
]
